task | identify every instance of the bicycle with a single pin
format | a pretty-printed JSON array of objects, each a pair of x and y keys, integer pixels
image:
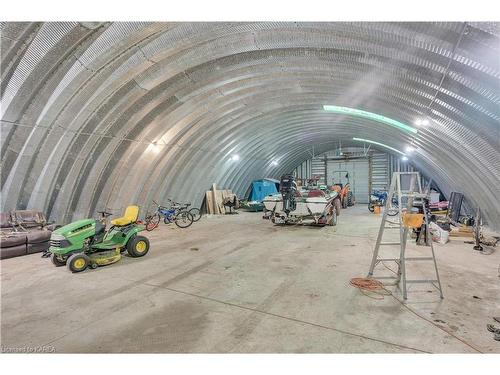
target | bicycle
[
  {"x": 379, "y": 198},
  {"x": 181, "y": 218},
  {"x": 184, "y": 206}
]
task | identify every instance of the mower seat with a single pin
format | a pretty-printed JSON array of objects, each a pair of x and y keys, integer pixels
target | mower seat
[{"x": 131, "y": 214}]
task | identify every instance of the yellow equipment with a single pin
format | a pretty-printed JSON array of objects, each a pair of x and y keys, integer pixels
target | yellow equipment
[
  {"x": 130, "y": 217},
  {"x": 413, "y": 220}
]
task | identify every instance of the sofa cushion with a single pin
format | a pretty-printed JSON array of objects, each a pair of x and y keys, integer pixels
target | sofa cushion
[
  {"x": 13, "y": 240},
  {"x": 5, "y": 220},
  {"x": 14, "y": 251},
  {"x": 52, "y": 227},
  {"x": 37, "y": 247},
  {"x": 37, "y": 236}
]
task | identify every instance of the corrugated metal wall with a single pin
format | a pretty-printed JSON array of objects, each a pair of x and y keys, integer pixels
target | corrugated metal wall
[{"x": 379, "y": 171}]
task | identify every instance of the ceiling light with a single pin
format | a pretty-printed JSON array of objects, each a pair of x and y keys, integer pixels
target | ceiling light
[
  {"x": 410, "y": 149},
  {"x": 404, "y": 158},
  {"x": 274, "y": 163},
  {"x": 370, "y": 116},
  {"x": 422, "y": 122},
  {"x": 154, "y": 147},
  {"x": 235, "y": 157},
  {"x": 378, "y": 144}
]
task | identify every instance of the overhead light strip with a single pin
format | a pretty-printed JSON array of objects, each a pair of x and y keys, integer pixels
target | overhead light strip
[
  {"x": 379, "y": 144},
  {"x": 370, "y": 116}
]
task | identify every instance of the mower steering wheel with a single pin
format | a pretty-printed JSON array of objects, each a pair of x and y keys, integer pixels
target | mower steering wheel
[{"x": 105, "y": 213}]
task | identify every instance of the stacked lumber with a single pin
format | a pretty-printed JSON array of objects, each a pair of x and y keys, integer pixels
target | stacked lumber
[
  {"x": 461, "y": 231},
  {"x": 214, "y": 200}
]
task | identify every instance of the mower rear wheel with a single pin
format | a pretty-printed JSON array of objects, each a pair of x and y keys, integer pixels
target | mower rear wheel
[
  {"x": 56, "y": 262},
  {"x": 138, "y": 246},
  {"x": 78, "y": 262}
]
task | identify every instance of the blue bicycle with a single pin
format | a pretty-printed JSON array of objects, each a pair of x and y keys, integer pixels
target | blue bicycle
[
  {"x": 175, "y": 214},
  {"x": 378, "y": 198}
]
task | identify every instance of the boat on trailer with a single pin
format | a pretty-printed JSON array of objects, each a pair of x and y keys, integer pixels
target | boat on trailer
[{"x": 299, "y": 206}]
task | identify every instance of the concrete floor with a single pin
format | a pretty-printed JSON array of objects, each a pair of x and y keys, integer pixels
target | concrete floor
[{"x": 239, "y": 284}]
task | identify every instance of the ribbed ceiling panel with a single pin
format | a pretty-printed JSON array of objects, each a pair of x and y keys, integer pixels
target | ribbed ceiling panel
[{"x": 83, "y": 103}]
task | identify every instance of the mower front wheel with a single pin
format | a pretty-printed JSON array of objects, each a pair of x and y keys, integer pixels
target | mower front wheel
[
  {"x": 78, "y": 262},
  {"x": 138, "y": 246},
  {"x": 56, "y": 261}
]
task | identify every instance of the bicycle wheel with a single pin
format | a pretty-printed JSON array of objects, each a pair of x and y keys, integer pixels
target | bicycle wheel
[
  {"x": 393, "y": 211},
  {"x": 183, "y": 219},
  {"x": 393, "y": 208},
  {"x": 196, "y": 213},
  {"x": 152, "y": 221}
]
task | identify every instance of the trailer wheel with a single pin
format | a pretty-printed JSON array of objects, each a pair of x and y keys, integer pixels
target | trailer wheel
[
  {"x": 337, "y": 205},
  {"x": 333, "y": 219}
]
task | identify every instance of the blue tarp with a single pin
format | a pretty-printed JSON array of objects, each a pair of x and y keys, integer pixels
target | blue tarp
[{"x": 262, "y": 188}]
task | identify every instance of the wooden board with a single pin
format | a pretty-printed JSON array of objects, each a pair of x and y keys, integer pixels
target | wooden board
[
  {"x": 214, "y": 200},
  {"x": 209, "y": 202}
]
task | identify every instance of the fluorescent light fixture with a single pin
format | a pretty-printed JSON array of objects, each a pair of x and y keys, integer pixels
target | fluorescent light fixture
[
  {"x": 410, "y": 149},
  {"x": 379, "y": 144},
  {"x": 235, "y": 157},
  {"x": 404, "y": 158},
  {"x": 370, "y": 116},
  {"x": 274, "y": 163}
]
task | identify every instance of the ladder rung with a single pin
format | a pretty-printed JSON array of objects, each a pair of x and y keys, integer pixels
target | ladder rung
[
  {"x": 419, "y": 258},
  {"x": 385, "y": 277},
  {"x": 397, "y": 259},
  {"x": 392, "y": 227},
  {"x": 390, "y": 243},
  {"x": 421, "y": 281},
  {"x": 387, "y": 259}
]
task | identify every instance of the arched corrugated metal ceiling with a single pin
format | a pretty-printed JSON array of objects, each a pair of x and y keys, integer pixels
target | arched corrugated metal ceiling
[{"x": 82, "y": 104}]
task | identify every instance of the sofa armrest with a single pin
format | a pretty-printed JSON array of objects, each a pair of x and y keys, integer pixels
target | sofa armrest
[{"x": 52, "y": 227}]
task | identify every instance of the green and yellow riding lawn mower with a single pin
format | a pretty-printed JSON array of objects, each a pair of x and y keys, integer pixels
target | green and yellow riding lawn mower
[{"x": 87, "y": 243}]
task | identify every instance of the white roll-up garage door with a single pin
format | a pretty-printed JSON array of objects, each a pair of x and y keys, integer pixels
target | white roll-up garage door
[{"x": 358, "y": 176}]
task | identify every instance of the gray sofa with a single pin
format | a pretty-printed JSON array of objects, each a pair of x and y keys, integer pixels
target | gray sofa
[{"x": 24, "y": 232}]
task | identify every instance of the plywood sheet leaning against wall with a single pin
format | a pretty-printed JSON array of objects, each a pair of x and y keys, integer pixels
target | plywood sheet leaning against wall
[{"x": 214, "y": 200}]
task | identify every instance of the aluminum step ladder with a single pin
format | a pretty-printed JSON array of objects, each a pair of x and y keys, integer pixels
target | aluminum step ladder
[{"x": 413, "y": 197}]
